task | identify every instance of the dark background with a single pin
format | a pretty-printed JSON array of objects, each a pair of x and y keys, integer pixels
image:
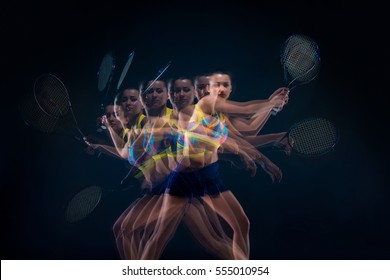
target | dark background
[{"x": 333, "y": 207}]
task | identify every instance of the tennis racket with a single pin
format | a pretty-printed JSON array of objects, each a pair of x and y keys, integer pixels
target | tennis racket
[
  {"x": 34, "y": 117},
  {"x": 85, "y": 201},
  {"x": 105, "y": 74},
  {"x": 52, "y": 98},
  {"x": 300, "y": 60},
  {"x": 310, "y": 138},
  {"x": 124, "y": 71}
]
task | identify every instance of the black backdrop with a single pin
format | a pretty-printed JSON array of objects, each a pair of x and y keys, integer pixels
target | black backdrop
[{"x": 335, "y": 207}]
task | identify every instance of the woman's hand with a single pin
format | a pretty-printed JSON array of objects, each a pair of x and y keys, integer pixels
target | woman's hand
[
  {"x": 279, "y": 97},
  {"x": 271, "y": 168}
]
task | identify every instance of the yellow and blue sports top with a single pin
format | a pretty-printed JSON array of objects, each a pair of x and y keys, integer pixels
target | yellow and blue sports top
[
  {"x": 133, "y": 160},
  {"x": 204, "y": 133}
]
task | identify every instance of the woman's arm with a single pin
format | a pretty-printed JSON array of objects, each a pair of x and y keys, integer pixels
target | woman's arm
[
  {"x": 119, "y": 144},
  {"x": 277, "y": 99}
]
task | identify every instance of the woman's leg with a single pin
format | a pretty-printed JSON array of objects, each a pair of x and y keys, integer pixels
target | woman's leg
[
  {"x": 227, "y": 206},
  {"x": 205, "y": 226},
  {"x": 118, "y": 234},
  {"x": 170, "y": 215},
  {"x": 130, "y": 249}
]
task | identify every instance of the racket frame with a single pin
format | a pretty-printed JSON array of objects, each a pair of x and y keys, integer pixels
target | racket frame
[
  {"x": 311, "y": 155},
  {"x": 61, "y": 117},
  {"x": 103, "y": 192},
  {"x": 308, "y": 43},
  {"x": 159, "y": 73},
  {"x": 108, "y": 83}
]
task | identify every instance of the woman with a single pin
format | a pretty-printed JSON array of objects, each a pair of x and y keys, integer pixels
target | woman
[
  {"x": 138, "y": 221},
  {"x": 248, "y": 124},
  {"x": 201, "y": 131},
  {"x": 129, "y": 146}
]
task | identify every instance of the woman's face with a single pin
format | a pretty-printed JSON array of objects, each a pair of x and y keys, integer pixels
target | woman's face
[
  {"x": 201, "y": 84},
  {"x": 111, "y": 117},
  {"x": 120, "y": 114},
  {"x": 220, "y": 85},
  {"x": 182, "y": 93},
  {"x": 130, "y": 101},
  {"x": 157, "y": 96}
]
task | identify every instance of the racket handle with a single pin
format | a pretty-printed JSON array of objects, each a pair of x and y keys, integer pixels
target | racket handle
[{"x": 275, "y": 111}]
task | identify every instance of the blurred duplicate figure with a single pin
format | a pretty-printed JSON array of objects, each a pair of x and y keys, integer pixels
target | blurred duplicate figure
[
  {"x": 248, "y": 125},
  {"x": 201, "y": 83},
  {"x": 199, "y": 218},
  {"x": 201, "y": 130},
  {"x": 140, "y": 220},
  {"x": 177, "y": 152},
  {"x": 127, "y": 144},
  {"x": 104, "y": 139}
]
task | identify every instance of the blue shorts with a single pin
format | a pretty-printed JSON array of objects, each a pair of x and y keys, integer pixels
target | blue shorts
[{"x": 205, "y": 181}]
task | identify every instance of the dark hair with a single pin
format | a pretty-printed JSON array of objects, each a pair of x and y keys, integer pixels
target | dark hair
[
  {"x": 119, "y": 95},
  {"x": 225, "y": 72},
  {"x": 144, "y": 85},
  {"x": 174, "y": 79},
  {"x": 203, "y": 74}
]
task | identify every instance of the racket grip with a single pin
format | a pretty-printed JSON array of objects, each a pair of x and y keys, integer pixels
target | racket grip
[{"x": 275, "y": 111}]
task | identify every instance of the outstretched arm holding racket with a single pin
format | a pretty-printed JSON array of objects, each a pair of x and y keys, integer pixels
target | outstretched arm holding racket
[
  {"x": 110, "y": 112},
  {"x": 244, "y": 122},
  {"x": 252, "y": 125},
  {"x": 310, "y": 138},
  {"x": 118, "y": 148}
]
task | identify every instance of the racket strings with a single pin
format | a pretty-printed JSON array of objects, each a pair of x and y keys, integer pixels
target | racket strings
[
  {"x": 33, "y": 116},
  {"x": 52, "y": 98},
  {"x": 302, "y": 63},
  {"x": 300, "y": 59},
  {"x": 51, "y": 95},
  {"x": 83, "y": 203},
  {"x": 105, "y": 70},
  {"x": 314, "y": 137}
]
